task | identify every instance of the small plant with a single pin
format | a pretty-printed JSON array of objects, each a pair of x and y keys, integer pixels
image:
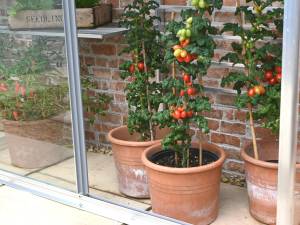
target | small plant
[
  {"x": 142, "y": 93},
  {"x": 94, "y": 103},
  {"x": 87, "y": 3},
  {"x": 190, "y": 48},
  {"x": 258, "y": 86},
  {"x": 31, "y": 5}
]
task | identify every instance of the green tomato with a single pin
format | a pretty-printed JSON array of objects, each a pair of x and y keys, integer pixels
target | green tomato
[
  {"x": 178, "y": 33},
  {"x": 183, "y": 33},
  {"x": 189, "y": 20},
  {"x": 188, "y": 33},
  {"x": 195, "y": 2},
  {"x": 202, "y": 4},
  {"x": 188, "y": 25}
]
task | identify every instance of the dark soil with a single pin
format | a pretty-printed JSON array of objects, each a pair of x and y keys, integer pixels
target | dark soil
[
  {"x": 167, "y": 158},
  {"x": 272, "y": 161}
]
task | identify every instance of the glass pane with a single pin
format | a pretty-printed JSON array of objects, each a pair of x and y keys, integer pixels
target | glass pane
[{"x": 36, "y": 136}]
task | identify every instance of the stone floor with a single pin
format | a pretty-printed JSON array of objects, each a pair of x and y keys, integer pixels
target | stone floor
[{"x": 103, "y": 183}]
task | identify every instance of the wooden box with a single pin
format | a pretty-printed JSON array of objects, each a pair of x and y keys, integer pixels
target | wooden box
[{"x": 40, "y": 19}]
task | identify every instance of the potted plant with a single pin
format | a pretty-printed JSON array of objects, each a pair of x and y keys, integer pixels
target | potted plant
[
  {"x": 36, "y": 14},
  {"x": 258, "y": 88},
  {"x": 29, "y": 102},
  {"x": 143, "y": 94},
  {"x": 184, "y": 175}
]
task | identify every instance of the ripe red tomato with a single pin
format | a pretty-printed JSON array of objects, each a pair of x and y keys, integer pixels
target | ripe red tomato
[
  {"x": 191, "y": 91},
  {"x": 273, "y": 81},
  {"x": 180, "y": 109},
  {"x": 176, "y": 115},
  {"x": 268, "y": 75},
  {"x": 131, "y": 68},
  {"x": 278, "y": 76},
  {"x": 23, "y": 91},
  {"x": 180, "y": 59},
  {"x": 189, "y": 84},
  {"x": 183, "y": 115},
  {"x": 185, "y": 43},
  {"x": 141, "y": 66},
  {"x": 182, "y": 93},
  {"x": 15, "y": 115},
  {"x": 251, "y": 92},
  {"x": 188, "y": 58},
  {"x": 186, "y": 78},
  {"x": 189, "y": 113},
  {"x": 278, "y": 69},
  {"x": 17, "y": 87}
]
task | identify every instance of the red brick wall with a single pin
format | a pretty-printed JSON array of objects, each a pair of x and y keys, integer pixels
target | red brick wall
[{"x": 229, "y": 128}]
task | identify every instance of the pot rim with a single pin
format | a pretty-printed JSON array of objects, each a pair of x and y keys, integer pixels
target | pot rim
[
  {"x": 250, "y": 159},
  {"x": 172, "y": 170},
  {"x": 117, "y": 141}
]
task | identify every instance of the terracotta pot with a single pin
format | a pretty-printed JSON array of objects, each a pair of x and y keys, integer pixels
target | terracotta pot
[
  {"x": 36, "y": 144},
  {"x": 127, "y": 152},
  {"x": 261, "y": 179},
  {"x": 187, "y": 194}
]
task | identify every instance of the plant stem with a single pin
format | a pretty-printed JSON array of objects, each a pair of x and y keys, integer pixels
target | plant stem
[
  {"x": 200, "y": 134},
  {"x": 253, "y": 132},
  {"x": 147, "y": 93}
]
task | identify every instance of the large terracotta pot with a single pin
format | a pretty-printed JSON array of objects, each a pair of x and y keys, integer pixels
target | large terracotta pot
[
  {"x": 36, "y": 144},
  {"x": 187, "y": 194},
  {"x": 127, "y": 153},
  {"x": 261, "y": 176}
]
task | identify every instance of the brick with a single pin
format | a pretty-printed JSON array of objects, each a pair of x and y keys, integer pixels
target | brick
[
  {"x": 225, "y": 99},
  {"x": 89, "y": 61},
  {"x": 225, "y": 139},
  {"x": 217, "y": 72},
  {"x": 241, "y": 115},
  {"x": 119, "y": 97},
  {"x": 111, "y": 118},
  {"x": 214, "y": 113},
  {"x": 118, "y": 85},
  {"x": 228, "y": 114},
  {"x": 104, "y": 49},
  {"x": 174, "y": 2},
  {"x": 89, "y": 135},
  {"x": 233, "y": 128},
  {"x": 227, "y": 17},
  {"x": 102, "y": 73},
  {"x": 213, "y": 124}
]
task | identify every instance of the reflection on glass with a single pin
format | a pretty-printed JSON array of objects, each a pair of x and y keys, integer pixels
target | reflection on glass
[{"x": 36, "y": 133}]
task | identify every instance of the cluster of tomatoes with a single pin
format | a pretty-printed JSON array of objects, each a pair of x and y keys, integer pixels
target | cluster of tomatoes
[
  {"x": 181, "y": 113},
  {"x": 140, "y": 67},
  {"x": 256, "y": 90},
  {"x": 184, "y": 38},
  {"x": 199, "y": 4},
  {"x": 273, "y": 76}
]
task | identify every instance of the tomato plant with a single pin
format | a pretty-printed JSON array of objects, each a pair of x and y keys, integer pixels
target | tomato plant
[
  {"x": 190, "y": 48},
  {"x": 142, "y": 93},
  {"x": 262, "y": 62}
]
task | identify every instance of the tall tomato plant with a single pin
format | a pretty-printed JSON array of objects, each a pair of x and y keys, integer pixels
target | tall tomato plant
[
  {"x": 190, "y": 49},
  {"x": 262, "y": 75},
  {"x": 142, "y": 93}
]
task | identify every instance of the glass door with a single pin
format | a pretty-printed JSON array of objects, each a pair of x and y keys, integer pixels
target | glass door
[{"x": 36, "y": 128}]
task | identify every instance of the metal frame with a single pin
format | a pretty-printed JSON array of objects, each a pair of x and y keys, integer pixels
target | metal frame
[
  {"x": 94, "y": 205},
  {"x": 289, "y": 114},
  {"x": 75, "y": 93}
]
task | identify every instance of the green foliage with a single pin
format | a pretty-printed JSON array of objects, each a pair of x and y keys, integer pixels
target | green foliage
[
  {"x": 192, "y": 35},
  {"x": 86, "y": 3},
  {"x": 31, "y": 5},
  {"x": 258, "y": 59},
  {"x": 142, "y": 93},
  {"x": 26, "y": 91},
  {"x": 94, "y": 103}
]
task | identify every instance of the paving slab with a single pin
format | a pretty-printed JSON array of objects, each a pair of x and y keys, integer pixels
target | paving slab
[
  {"x": 133, "y": 203},
  {"x": 22, "y": 208},
  {"x": 234, "y": 207}
]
